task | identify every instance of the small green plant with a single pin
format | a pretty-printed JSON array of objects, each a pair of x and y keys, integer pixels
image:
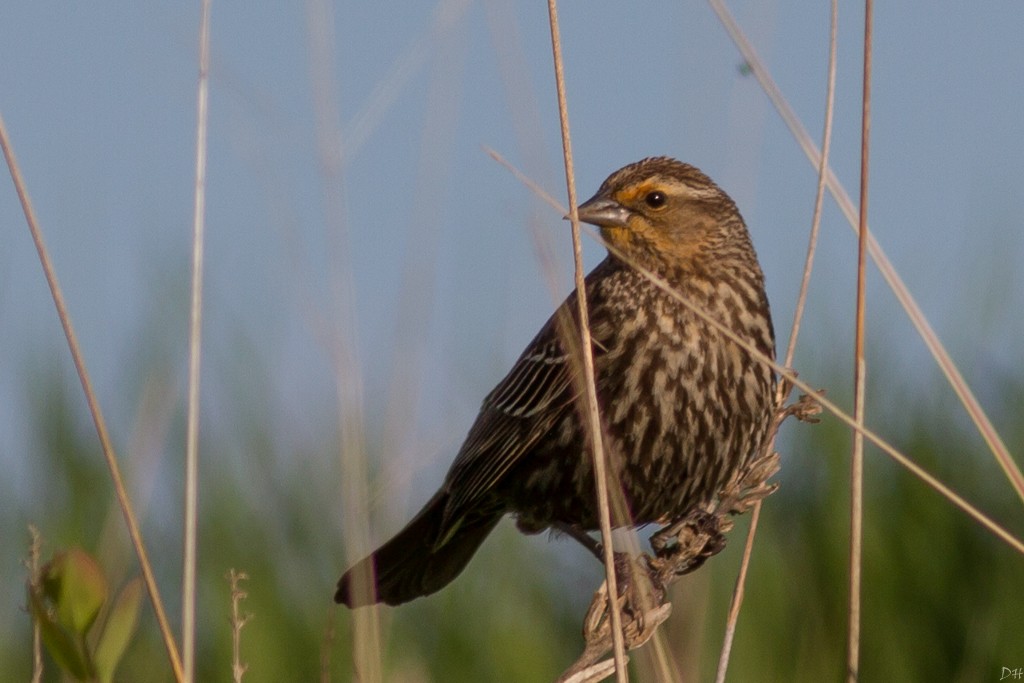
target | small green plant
[{"x": 66, "y": 596}]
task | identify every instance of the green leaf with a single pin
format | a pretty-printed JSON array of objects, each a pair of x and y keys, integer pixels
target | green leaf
[
  {"x": 75, "y": 585},
  {"x": 62, "y": 646},
  {"x": 118, "y": 630}
]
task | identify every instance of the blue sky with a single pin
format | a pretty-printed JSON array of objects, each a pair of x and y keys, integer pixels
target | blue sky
[{"x": 99, "y": 100}]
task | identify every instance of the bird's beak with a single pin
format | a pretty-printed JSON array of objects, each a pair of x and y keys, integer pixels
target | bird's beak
[{"x": 603, "y": 212}]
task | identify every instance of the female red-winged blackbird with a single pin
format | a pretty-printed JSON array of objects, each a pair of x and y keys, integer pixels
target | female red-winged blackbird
[{"x": 681, "y": 405}]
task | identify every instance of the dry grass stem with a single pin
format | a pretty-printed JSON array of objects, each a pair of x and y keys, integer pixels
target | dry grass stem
[
  {"x": 819, "y": 191},
  {"x": 238, "y": 621},
  {"x": 794, "y": 332},
  {"x": 738, "y": 593},
  {"x": 942, "y": 358},
  {"x": 35, "y": 550},
  {"x": 594, "y": 419},
  {"x": 826, "y": 404},
  {"x": 526, "y": 180},
  {"x": 366, "y": 121},
  {"x": 860, "y": 370},
  {"x": 414, "y": 307},
  {"x": 188, "y": 588},
  {"x": 327, "y": 644},
  {"x": 341, "y": 346},
  {"x": 94, "y": 408}
]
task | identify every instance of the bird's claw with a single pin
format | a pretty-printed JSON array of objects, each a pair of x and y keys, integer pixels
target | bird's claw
[
  {"x": 685, "y": 545},
  {"x": 640, "y": 601},
  {"x": 638, "y": 589}
]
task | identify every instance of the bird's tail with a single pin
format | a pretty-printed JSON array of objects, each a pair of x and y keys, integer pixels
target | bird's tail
[{"x": 421, "y": 559}]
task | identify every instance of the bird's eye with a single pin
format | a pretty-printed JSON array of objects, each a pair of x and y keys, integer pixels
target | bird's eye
[{"x": 655, "y": 199}]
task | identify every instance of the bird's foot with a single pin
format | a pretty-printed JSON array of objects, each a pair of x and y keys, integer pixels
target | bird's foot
[
  {"x": 641, "y": 604},
  {"x": 805, "y": 408},
  {"x": 639, "y": 590},
  {"x": 685, "y": 545}
]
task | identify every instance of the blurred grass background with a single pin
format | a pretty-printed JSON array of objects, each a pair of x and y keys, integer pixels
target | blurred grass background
[{"x": 942, "y": 596}]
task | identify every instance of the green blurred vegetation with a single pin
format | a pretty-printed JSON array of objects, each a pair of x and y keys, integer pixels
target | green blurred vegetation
[{"x": 943, "y": 598}]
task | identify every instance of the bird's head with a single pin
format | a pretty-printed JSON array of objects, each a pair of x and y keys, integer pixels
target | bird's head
[{"x": 661, "y": 212}]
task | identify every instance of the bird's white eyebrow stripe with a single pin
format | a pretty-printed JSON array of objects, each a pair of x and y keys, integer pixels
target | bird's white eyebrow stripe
[
  {"x": 692, "y": 191},
  {"x": 702, "y": 192}
]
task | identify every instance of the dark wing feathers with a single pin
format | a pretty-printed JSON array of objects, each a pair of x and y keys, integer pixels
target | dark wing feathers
[
  {"x": 519, "y": 411},
  {"x": 527, "y": 404},
  {"x": 532, "y": 384}
]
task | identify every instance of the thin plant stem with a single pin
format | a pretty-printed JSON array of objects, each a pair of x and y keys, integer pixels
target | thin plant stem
[
  {"x": 446, "y": 16},
  {"x": 819, "y": 193},
  {"x": 94, "y": 407},
  {"x": 812, "y": 243},
  {"x": 594, "y": 418},
  {"x": 327, "y": 644},
  {"x": 860, "y": 370},
  {"x": 807, "y": 388},
  {"x": 942, "y": 358},
  {"x": 188, "y": 588},
  {"x": 238, "y": 621},
  {"x": 35, "y": 549},
  {"x": 736, "y": 602},
  {"x": 526, "y": 180},
  {"x": 419, "y": 272},
  {"x": 367, "y": 647}
]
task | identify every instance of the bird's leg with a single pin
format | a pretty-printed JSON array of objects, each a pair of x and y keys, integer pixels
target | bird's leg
[
  {"x": 582, "y": 537},
  {"x": 637, "y": 587}
]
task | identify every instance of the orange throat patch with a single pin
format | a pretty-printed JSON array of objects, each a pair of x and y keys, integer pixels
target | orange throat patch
[{"x": 619, "y": 238}]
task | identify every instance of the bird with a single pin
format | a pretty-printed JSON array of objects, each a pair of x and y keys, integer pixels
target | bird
[{"x": 682, "y": 407}]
